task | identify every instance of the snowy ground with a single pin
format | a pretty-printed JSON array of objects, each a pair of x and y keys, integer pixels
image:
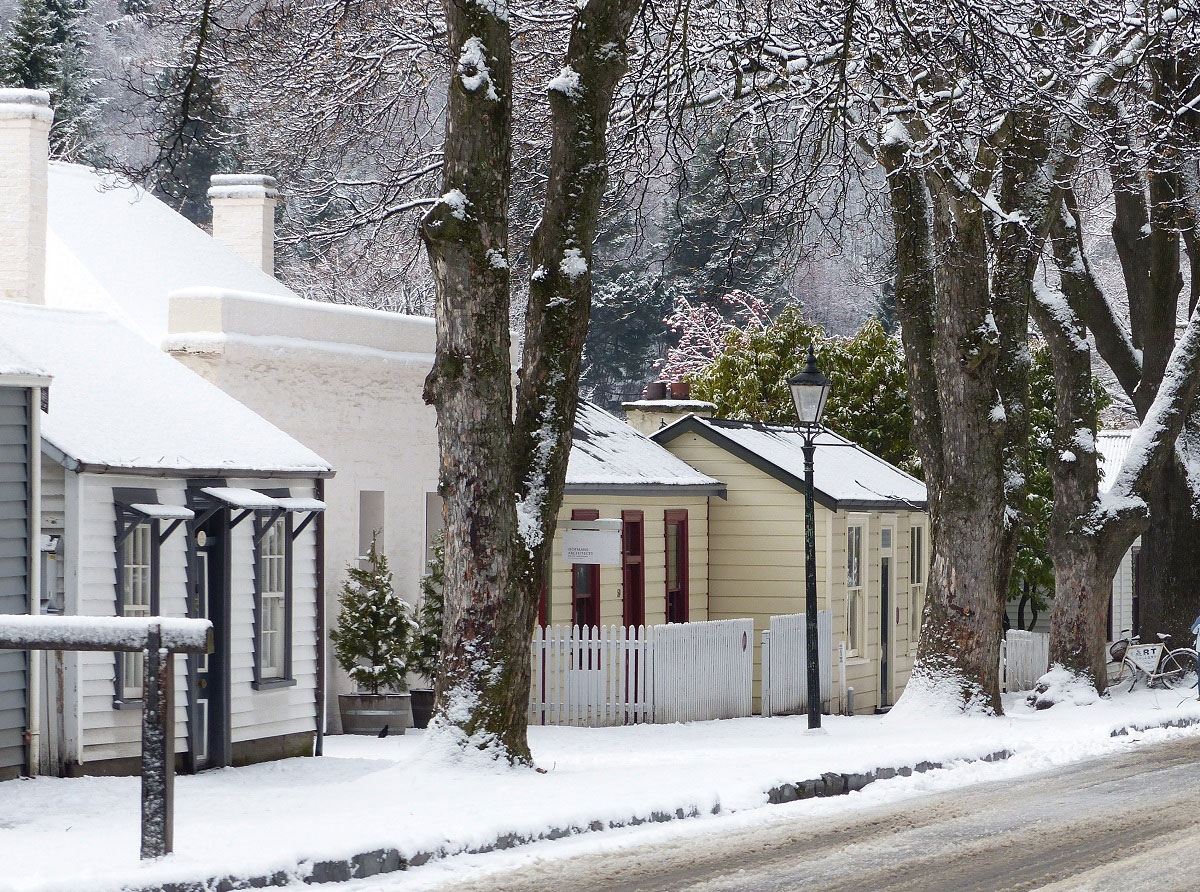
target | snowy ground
[{"x": 58, "y": 834}]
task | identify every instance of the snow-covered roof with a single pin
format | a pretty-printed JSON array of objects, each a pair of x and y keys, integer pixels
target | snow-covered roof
[
  {"x": 112, "y": 246},
  {"x": 845, "y": 476},
  {"x": 608, "y": 454},
  {"x": 121, "y": 404},
  {"x": 1113, "y": 446},
  {"x": 14, "y": 365}
]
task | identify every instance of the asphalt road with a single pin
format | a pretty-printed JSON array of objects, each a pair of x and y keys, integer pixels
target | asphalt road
[{"x": 1127, "y": 822}]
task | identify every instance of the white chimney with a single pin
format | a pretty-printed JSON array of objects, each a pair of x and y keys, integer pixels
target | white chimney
[
  {"x": 244, "y": 216},
  {"x": 25, "y": 119}
]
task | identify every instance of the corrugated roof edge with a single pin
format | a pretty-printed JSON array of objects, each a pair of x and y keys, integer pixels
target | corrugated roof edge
[{"x": 709, "y": 429}]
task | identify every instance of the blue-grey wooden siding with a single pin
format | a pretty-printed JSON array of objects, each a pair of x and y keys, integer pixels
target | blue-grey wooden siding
[{"x": 14, "y": 568}]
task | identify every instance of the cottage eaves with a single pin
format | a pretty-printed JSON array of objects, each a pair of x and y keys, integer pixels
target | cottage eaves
[{"x": 845, "y": 476}]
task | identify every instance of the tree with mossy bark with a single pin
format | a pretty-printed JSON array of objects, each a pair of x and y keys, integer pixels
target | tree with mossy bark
[{"x": 497, "y": 545}]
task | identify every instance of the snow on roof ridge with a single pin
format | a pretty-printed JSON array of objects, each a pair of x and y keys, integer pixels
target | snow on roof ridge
[
  {"x": 607, "y": 450},
  {"x": 835, "y": 485}
]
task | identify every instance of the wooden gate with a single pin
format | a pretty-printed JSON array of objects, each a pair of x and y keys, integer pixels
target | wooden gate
[
  {"x": 1024, "y": 658},
  {"x": 785, "y": 662}
]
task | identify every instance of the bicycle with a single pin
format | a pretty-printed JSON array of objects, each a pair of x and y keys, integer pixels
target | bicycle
[{"x": 1173, "y": 669}]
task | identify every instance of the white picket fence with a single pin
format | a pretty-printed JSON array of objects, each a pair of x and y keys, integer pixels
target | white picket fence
[
  {"x": 1024, "y": 658},
  {"x": 785, "y": 662},
  {"x": 612, "y": 675}
]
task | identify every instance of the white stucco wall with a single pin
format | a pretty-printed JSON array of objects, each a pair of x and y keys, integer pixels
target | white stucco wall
[{"x": 347, "y": 383}]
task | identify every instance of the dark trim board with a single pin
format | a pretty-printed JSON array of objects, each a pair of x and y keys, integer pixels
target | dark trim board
[
  {"x": 59, "y": 457},
  {"x": 692, "y": 425},
  {"x": 720, "y": 490}
]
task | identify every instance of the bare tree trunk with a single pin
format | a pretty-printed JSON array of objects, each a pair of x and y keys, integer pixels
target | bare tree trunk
[
  {"x": 560, "y": 288},
  {"x": 502, "y": 480},
  {"x": 470, "y": 386},
  {"x": 951, "y": 350},
  {"x": 1089, "y": 533}
]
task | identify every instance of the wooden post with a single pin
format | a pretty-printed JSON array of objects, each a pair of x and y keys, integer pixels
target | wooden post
[{"x": 158, "y": 747}]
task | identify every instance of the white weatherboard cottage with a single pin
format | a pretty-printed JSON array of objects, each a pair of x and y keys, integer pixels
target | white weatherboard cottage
[
  {"x": 160, "y": 495},
  {"x": 345, "y": 381}
]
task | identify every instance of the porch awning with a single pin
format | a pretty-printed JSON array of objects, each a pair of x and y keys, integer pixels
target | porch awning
[
  {"x": 162, "y": 512},
  {"x": 253, "y": 500}
]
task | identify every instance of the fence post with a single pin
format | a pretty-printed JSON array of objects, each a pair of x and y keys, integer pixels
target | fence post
[
  {"x": 766, "y": 673},
  {"x": 158, "y": 747}
]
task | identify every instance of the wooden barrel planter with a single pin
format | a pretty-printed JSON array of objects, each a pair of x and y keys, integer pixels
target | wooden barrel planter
[
  {"x": 369, "y": 713},
  {"x": 422, "y": 707}
]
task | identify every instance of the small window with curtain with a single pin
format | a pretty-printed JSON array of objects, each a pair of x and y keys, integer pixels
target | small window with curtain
[
  {"x": 855, "y": 595},
  {"x": 273, "y": 584},
  {"x": 916, "y": 580},
  {"x": 677, "y": 565}
]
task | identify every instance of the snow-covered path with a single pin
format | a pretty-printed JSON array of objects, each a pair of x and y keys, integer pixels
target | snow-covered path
[{"x": 399, "y": 793}]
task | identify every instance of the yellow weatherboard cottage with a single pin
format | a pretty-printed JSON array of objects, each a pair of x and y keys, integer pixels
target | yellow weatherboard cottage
[{"x": 872, "y": 539}]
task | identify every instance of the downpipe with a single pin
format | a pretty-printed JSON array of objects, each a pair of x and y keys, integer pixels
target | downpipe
[{"x": 33, "y": 733}]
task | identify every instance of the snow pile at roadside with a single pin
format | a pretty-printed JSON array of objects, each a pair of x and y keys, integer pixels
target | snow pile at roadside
[{"x": 369, "y": 793}]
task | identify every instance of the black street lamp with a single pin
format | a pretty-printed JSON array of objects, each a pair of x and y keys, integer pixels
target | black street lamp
[{"x": 809, "y": 390}]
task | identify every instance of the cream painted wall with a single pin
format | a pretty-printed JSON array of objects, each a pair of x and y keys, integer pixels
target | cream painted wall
[
  {"x": 756, "y": 556},
  {"x": 611, "y": 578},
  {"x": 347, "y": 383}
]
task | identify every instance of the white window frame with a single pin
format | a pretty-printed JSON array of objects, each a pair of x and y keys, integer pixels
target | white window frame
[
  {"x": 918, "y": 569},
  {"x": 856, "y": 587},
  {"x": 137, "y": 599},
  {"x": 272, "y": 631}
]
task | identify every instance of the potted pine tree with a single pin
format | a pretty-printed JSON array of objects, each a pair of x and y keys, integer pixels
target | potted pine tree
[
  {"x": 427, "y": 642},
  {"x": 372, "y": 643}
]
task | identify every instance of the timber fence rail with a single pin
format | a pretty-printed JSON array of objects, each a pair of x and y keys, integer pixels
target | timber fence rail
[{"x": 597, "y": 676}]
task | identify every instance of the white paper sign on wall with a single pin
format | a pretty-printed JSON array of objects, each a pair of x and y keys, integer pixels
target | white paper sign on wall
[{"x": 592, "y": 542}]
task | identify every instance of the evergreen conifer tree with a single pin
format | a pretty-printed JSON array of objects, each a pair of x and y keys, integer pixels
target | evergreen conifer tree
[
  {"x": 374, "y": 631},
  {"x": 427, "y": 643},
  {"x": 47, "y": 47},
  {"x": 75, "y": 134},
  {"x": 30, "y": 57}
]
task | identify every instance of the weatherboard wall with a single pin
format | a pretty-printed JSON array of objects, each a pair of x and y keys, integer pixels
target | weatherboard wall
[
  {"x": 106, "y": 734},
  {"x": 15, "y": 463},
  {"x": 98, "y": 738},
  {"x": 654, "y": 561},
  {"x": 756, "y": 562}
]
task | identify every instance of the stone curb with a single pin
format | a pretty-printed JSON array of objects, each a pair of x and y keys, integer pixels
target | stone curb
[
  {"x": 1173, "y": 723},
  {"x": 830, "y": 784},
  {"x": 379, "y": 861}
]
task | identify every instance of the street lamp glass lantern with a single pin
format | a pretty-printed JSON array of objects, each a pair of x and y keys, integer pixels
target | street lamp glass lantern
[{"x": 809, "y": 391}]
